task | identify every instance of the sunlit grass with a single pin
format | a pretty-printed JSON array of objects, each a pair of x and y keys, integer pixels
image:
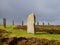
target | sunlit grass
[{"x": 23, "y": 33}]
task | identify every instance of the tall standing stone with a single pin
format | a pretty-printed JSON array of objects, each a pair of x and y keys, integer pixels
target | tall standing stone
[
  {"x": 4, "y": 22},
  {"x": 31, "y": 23}
]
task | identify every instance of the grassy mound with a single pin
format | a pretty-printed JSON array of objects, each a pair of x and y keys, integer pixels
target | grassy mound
[{"x": 23, "y": 33}]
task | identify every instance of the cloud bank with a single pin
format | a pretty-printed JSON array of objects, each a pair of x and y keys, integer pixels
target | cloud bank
[{"x": 18, "y": 10}]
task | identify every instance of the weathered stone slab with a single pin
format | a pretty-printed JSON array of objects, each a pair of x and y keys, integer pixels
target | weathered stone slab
[{"x": 31, "y": 23}]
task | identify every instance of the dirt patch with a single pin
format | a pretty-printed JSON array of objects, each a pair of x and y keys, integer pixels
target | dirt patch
[
  {"x": 3, "y": 31},
  {"x": 24, "y": 27},
  {"x": 28, "y": 41}
]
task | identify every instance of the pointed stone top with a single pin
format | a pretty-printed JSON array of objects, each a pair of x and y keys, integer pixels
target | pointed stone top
[{"x": 31, "y": 15}]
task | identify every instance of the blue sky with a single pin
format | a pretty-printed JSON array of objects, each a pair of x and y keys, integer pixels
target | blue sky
[{"x": 18, "y": 10}]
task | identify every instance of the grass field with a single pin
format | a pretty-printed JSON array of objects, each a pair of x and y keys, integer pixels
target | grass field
[{"x": 23, "y": 33}]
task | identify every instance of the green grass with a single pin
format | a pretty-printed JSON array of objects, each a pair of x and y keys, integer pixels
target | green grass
[{"x": 23, "y": 33}]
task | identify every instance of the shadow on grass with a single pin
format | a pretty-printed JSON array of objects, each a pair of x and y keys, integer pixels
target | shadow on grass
[
  {"x": 41, "y": 33},
  {"x": 45, "y": 33}
]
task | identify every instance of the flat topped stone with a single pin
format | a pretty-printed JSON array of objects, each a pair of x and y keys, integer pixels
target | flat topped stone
[{"x": 31, "y": 23}]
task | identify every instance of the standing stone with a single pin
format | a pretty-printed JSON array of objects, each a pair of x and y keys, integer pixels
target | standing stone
[
  {"x": 43, "y": 24},
  {"x": 37, "y": 23},
  {"x": 13, "y": 22},
  {"x": 4, "y": 22},
  {"x": 22, "y": 22},
  {"x": 31, "y": 23},
  {"x": 48, "y": 23}
]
